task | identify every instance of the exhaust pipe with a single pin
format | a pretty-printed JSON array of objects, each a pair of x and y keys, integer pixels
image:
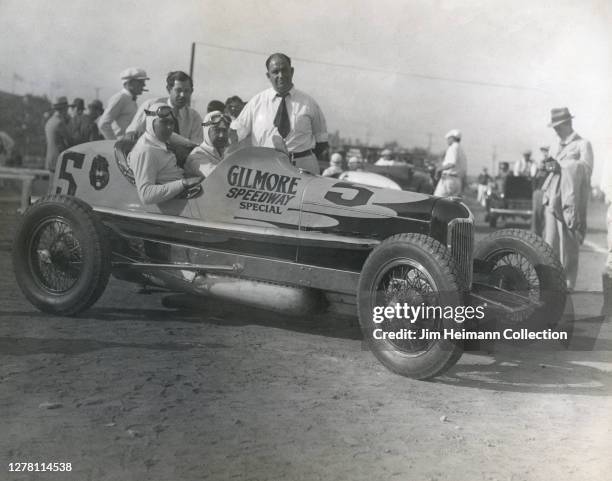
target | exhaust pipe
[{"x": 262, "y": 295}]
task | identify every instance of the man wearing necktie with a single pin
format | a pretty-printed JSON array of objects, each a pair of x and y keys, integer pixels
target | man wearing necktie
[
  {"x": 285, "y": 118},
  {"x": 121, "y": 107}
]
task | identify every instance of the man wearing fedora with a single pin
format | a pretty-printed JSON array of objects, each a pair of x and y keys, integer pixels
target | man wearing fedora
[
  {"x": 75, "y": 124},
  {"x": 566, "y": 192},
  {"x": 56, "y": 132},
  {"x": 121, "y": 107}
]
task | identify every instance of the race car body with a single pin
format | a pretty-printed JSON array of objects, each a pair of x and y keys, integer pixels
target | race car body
[{"x": 262, "y": 232}]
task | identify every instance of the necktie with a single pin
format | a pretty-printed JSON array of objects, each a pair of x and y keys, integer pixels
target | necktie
[
  {"x": 281, "y": 119},
  {"x": 174, "y": 116}
]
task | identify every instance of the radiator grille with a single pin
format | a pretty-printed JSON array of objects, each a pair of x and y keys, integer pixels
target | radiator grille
[{"x": 460, "y": 240}]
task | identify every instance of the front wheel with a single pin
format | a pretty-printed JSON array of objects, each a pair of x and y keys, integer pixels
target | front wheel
[
  {"x": 520, "y": 262},
  {"x": 61, "y": 256},
  {"x": 410, "y": 270}
]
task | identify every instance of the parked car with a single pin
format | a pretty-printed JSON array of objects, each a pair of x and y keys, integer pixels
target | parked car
[
  {"x": 509, "y": 199},
  {"x": 261, "y": 232}
]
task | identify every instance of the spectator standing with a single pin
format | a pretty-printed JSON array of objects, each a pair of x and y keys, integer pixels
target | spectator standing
[
  {"x": 76, "y": 124},
  {"x": 215, "y": 106},
  {"x": 56, "y": 132},
  {"x": 335, "y": 166},
  {"x": 523, "y": 166},
  {"x": 566, "y": 193},
  {"x": 537, "y": 219},
  {"x": 188, "y": 126},
  {"x": 386, "y": 158},
  {"x": 483, "y": 184},
  {"x": 233, "y": 106},
  {"x": 285, "y": 117},
  {"x": 607, "y": 188},
  {"x": 121, "y": 107},
  {"x": 355, "y": 164},
  {"x": 76, "y": 108},
  {"x": 7, "y": 144},
  {"x": 453, "y": 167}
]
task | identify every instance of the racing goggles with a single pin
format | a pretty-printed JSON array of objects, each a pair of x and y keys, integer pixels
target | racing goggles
[
  {"x": 217, "y": 119},
  {"x": 161, "y": 112}
]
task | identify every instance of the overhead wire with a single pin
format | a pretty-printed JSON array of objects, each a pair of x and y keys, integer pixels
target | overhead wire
[{"x": 381, "y": 70}]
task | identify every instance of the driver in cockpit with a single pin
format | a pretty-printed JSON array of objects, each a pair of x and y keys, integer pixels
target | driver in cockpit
[
  {"x": 157, "y": 176},
  {"x": 211, "y": 151}
]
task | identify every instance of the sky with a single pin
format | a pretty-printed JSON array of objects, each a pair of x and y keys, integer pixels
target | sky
[{"x": 380, "y": 70}]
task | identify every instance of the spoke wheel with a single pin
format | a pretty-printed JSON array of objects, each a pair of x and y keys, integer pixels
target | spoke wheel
[
  {"x": 415, "y": 270},
  {"x": 513, "y": 271},
  {"x": 61, "y": 255},
  {"x": 523, "y": 263},
  {"x": 406, "y": 282},
  {"x": 55, "y": 255}
]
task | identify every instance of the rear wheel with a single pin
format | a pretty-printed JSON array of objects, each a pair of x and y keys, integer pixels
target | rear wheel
[
  {"x": 412, "y": 270},
  {"x": 61, "y": 256}
]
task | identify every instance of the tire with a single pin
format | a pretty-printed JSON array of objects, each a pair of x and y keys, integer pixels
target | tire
[
  {"x": 522, "y": 262},
  {"x": 406, "y": 260},
  {"x": 61, "y": 256}
]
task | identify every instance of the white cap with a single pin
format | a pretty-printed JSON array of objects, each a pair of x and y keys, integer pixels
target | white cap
[
  {"x": 134, "y": 73},
  {"x": 453, "y": 133},
  {"x": 336, "y": 158},
  {"x": 354, "y": 160}
]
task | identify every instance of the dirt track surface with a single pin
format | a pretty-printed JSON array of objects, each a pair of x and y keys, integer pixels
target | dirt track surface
[{"x": 135, "y": 391}]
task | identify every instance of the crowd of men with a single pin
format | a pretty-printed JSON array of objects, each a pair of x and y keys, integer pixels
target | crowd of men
[{"x": 288, "y": 119}]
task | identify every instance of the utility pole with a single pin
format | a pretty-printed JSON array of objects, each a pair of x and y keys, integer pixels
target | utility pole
[
  {"x": 494, "y": 161},
  {"x": 191, "y": 61}
]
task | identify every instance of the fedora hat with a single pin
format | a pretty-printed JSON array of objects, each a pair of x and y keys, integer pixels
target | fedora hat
[
  {"x": 60, "y": 102},
  {"x": 95, "y": 104},
  {"x": 78, "y": 103},
  {"x": 559, "y": 116}
]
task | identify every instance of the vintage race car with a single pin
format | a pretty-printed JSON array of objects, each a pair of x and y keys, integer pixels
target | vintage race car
[
  {"x": 404, "y": 177},
  {"x": 512, "y": 198},
  {"x": 261, "y": 232}
]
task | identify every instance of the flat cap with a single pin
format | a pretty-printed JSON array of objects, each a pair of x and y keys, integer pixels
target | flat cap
[
  {"x": 134, "y": 73},
  {"x": 456, "y": 133}
]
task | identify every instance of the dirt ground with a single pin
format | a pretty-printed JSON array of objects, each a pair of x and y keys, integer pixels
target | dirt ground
[{"x": 131, "y": 390}]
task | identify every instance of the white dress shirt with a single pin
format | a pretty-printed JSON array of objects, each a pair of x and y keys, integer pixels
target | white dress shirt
[
  {"x": 189, "y": 120},
  {"x": 308, "y": 126},
  {"x": 119, "y": 112},
  {"x": 456, "y": 158}
]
